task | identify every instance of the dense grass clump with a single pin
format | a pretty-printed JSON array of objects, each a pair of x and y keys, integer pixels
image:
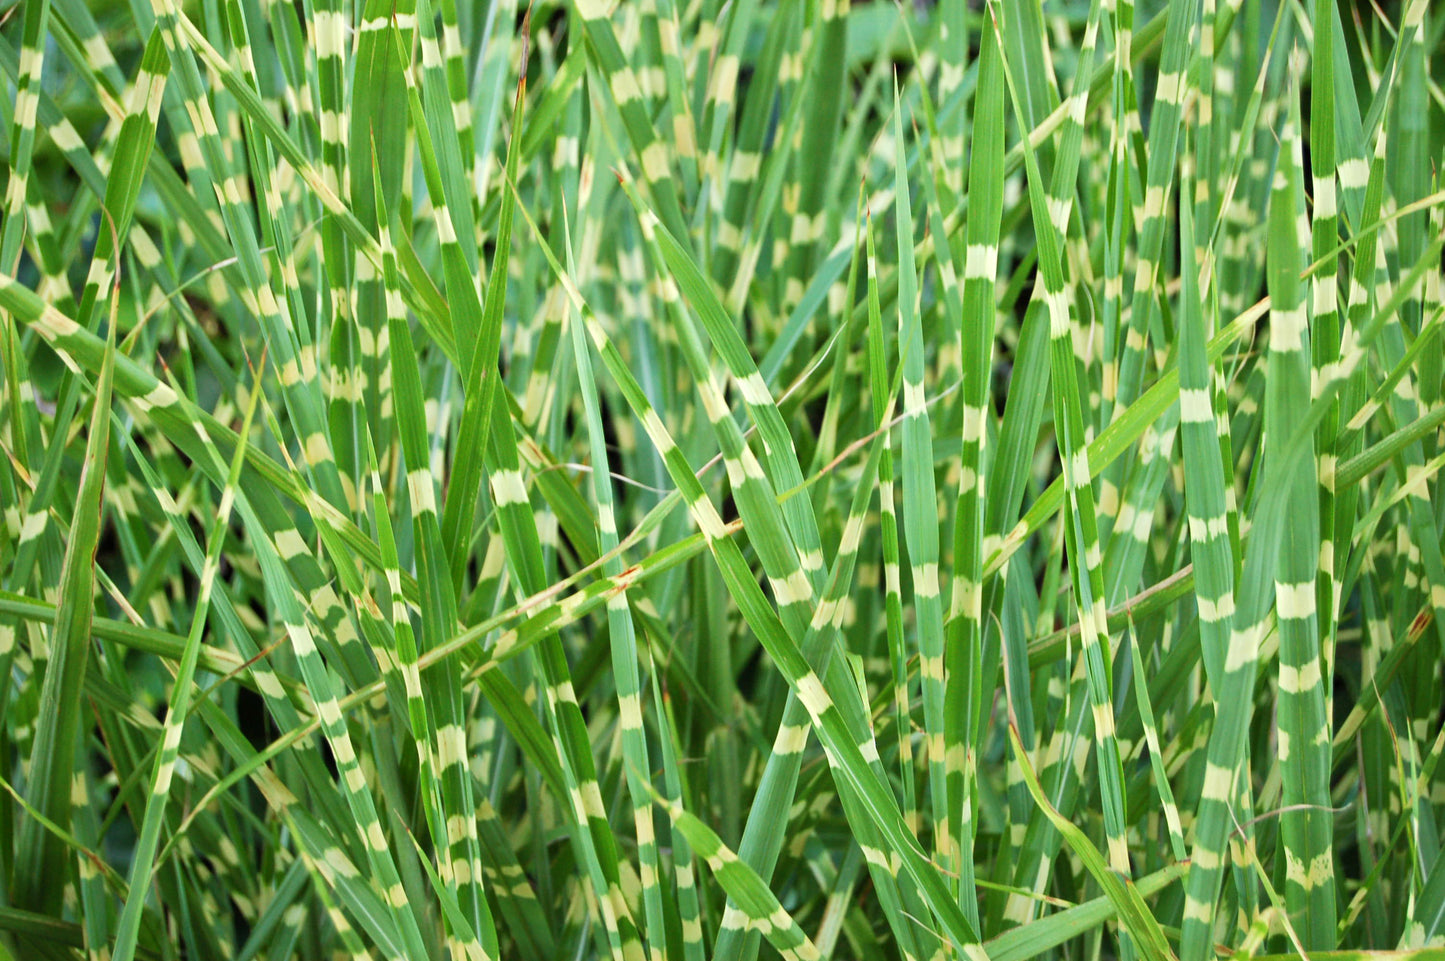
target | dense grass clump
[{"x": 721, "y": 479}]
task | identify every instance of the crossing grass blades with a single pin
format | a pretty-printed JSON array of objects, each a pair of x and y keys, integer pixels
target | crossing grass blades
[{"x": 695, "y": 479}]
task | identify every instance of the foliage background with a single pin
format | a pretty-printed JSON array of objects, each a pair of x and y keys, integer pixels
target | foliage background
[{"x": 690, "y": 479}]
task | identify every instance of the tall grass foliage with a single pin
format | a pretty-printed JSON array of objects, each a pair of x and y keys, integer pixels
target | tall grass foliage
[{"x": 721, "y": 480}]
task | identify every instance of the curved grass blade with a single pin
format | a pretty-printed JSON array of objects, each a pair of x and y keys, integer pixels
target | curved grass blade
[{"x": 40, "y": 858}]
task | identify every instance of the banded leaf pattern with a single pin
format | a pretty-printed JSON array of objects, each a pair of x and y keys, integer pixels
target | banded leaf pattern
[{"x": 729, "y": 480}]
